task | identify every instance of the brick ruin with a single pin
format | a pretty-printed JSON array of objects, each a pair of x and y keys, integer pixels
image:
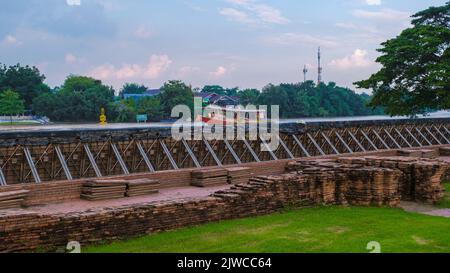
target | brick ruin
[
  {"x": 373, "y": 180},
  {"x": 362, "y": 181}
]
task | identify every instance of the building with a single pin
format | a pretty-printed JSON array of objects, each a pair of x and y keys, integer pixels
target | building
[{"x": 216, "y": 99}]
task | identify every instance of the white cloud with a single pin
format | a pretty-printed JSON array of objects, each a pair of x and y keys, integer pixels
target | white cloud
[
  {"x": 240, "y": 2},
  {"x": 143, "y": 33},
  {"x": 219, "y": 72},
  {"x": 73, "y": 2},
  {"x": 373, "y": 2},
  {"x": 253, "y": 12},
  {"x": 157, "y": 65},
  {"x": 103, "y": 72},
  {"x": 128, "y": 71},
  {"x": 11, "y": 40},
  {"x": 291, "y": 38},
  {"x": 269, "y": 14},
  {"x": 357, "y": 60},
  {"x": 383, "y": 15},
  {"x": 235, "y": 15}
]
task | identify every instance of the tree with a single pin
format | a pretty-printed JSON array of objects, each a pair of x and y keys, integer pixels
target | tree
[
  {"x": 275, "y": 95},
  {"x": 79, "y": 99},
  {"x": 416, "y": 66},
  {"x": 150, "y": 106},
  {"x": 11, "y": 104},
  {"x": 232, "y": 91},
  {"x": 248, "y": 96},
  {"x": 132, "y": 88},
  {"x": 27, "y": 81},
  {"x": 175, "y": 93},
  {"x": 45, "y": 105},
  {"x": 214, "y": 89},
  {"x": 125, "y": 112}
]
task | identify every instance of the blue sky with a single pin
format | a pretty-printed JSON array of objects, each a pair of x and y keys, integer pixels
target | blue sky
[{"x": 244, "y": 43}]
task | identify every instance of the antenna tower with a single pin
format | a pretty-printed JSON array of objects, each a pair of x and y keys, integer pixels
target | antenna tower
[
  {"x": 305, "y": 71},
  {"x": 320, "y": 69}
]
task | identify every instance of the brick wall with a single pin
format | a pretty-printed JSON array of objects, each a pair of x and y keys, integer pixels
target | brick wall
[
  {"x": 62, "y": 191},
  {"x": 303, "y": 186}
]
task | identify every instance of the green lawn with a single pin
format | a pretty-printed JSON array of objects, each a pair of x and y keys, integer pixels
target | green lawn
[
  {"x": 18, "y": 123},
  {"x": 322, "y": 229},
  {"x": 445, "y": 202}
]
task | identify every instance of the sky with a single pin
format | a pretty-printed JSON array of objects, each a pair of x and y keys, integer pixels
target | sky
[{"x": 233, "y": 43}]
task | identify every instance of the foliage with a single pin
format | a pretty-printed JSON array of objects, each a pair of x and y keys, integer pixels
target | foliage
[
  {"x": 25, "y": 80},
  {"x": 220, "y": 90},
  {"x": 79, "y": 99},
  {"x": 248, "y": 96},
  {"x": 306, "y": 230},
  {"x": 416, "y": 66},
  {"x": 308, "y": 100},
  {"x": 132, "y": 88},
  {"x": 125, "y": 112},
  {"x": 11, "y": 103},
  {"x": 175, "y": 93},
  {"x": 151, "y": 106},
  {"x": 213, "y": 89}
]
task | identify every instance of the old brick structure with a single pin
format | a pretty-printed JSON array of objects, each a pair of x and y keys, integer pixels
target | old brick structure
[{"x": 344, "y": 181}]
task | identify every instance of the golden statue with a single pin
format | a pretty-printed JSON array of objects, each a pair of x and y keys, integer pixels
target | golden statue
[{"x": 103, "y": 117}]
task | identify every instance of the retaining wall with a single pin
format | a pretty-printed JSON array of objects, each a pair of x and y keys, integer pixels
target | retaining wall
[{"x": 370, "y": 185}]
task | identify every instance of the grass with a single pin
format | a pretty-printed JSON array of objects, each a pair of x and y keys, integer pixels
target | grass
[
  {"x": 316, "y": 230},
  {"x": 17, "y": 123},
  {"x": 445, "y": 202}
]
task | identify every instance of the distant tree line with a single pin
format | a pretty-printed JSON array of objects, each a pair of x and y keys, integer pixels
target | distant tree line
[{"x": 80, "y": 98}]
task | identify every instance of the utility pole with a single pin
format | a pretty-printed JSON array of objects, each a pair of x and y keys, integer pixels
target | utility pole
[
  {"x": 319, "y": 76},
  {"x": 305, "y": 71}
]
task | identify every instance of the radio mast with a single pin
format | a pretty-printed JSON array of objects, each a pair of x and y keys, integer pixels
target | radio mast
[
  {"x": 320, "y": 69},
  {"x": 305, "y": 71}
]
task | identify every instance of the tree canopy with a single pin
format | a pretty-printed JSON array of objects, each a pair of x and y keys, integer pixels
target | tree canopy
[
  {"x": 415, "y": 69},
  {"x": 175, "y": 93},
  {"x": 132, "y": 88},
  {"x": 11, "y": 103},
  {"x": 79, "y": 99},
  {"x": 308, "y": 100},
  {"x": 27, "y": 81}
]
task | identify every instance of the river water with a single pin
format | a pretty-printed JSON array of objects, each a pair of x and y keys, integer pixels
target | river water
[
  {"x": 439, "y": 114},
  {"x": 64, "y": 127}
]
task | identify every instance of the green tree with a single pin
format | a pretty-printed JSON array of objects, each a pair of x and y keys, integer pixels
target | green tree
[
  {"x": 214, "y": 89},
  {"x": 125, "y": 112},
  {"x": 46, "y": 105},
  {"x": 11, "y": 104},
  {"x": 79, "y": 99},
  {"x": 27, "y": 81},
  {"x": 232, "y": 91},
  {"x": 275, "y": 95},
  {"x": 150, "y": 106},
  {"x": 248, "y": 96},
  {"x": 416, "y": 66},
  {"x": 175, "y": 93},
  {"x": 132, "y": 88}
]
